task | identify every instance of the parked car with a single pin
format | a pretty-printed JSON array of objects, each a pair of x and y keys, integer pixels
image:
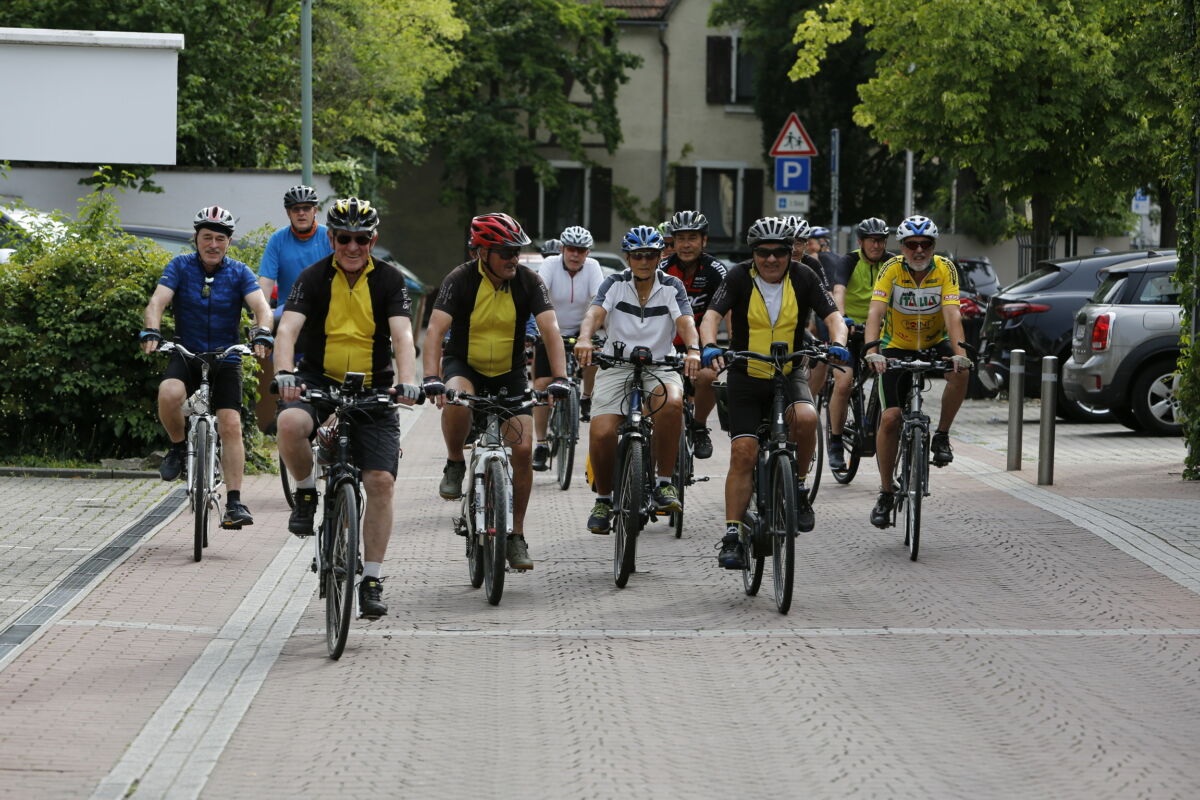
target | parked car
[
  {"x": 1126, "y": 344},
  {"x": 1036, "y": 314},
  {"x": 973, "y": 305},
  {"x": 16, "y": 224}
]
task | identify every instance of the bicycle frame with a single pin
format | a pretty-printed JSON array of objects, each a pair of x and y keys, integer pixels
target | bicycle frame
[{"x": 488, "y": 448}]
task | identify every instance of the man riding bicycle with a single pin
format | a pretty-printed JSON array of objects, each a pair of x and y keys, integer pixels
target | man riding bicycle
[
  {"x": 642, "y": 306},
  {"x": 914, "y": 306},
  {"x": 768, "y": 299},
  {"x": 852, "y": 279},
  {"x": 206, "y": 290},
  {"x": 571, "y": 279},
  {"x": 484, "y": 305},
  {"x": 701, "y": 275},
  {"x": 347, "y": 313}
]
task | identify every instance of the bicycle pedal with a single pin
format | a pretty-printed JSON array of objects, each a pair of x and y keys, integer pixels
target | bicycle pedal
[
  {"x": 229, "y": 526},
  {"x": 313, "y": 565}
]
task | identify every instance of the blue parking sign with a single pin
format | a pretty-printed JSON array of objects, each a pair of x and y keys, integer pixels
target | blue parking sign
[{"x": 793, "y": 174}]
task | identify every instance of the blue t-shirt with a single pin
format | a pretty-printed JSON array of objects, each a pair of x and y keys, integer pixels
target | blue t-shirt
[
  {"x": 286, "y": 256},
  {"x": 212, "y": 322}
]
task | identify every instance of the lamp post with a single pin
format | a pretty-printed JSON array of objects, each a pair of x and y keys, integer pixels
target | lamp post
[{"x": 306, "y": 166}]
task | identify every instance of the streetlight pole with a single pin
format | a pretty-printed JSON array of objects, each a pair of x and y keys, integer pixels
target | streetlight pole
[
  {"x": 908, "y": 181},
  {"x": 306, "y": 165}
]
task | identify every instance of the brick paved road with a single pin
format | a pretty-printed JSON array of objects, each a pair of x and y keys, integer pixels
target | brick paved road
[{"x": 1046, "y": 644}]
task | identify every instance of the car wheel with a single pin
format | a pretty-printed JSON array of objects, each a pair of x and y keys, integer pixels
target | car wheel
[
  {"x": 1126, "y": 417},
  {"x": 1155, "y": 399}
]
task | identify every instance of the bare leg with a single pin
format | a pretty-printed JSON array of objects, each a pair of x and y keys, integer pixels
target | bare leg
[
  {"x": 233, "y": 451},
  {"x": 171, "y": 394},
  {"x": 517, "y": 435},
  {"x": 743, "y": 452},
  {"x": 602, "y": 441},
  {"x": 377, "y": 518},
  {"x": 887, "y": 441}
]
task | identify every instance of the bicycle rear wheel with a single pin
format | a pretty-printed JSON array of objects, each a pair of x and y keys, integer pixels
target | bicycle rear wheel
[
  {"x": 628, "y": 503},
  {"x": 495, "y": 533},
  {"x": 917, "y": 471},
  {"x": 565, "y": 425},
  {"x": 286, "y": 480},
  {"x": 852, "y": 433},
  {"x": 783, "y": 532},
  {"x": 201, "y": 486},
  {"x": 817, "y": 463},
  {"x": 342, "y": 534},
  {"x": 682, "y": 475}
]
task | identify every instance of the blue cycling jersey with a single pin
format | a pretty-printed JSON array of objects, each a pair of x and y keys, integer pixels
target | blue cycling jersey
[
  {"x": 286, "y": 256},
  {"x": 207, "y": 308}
]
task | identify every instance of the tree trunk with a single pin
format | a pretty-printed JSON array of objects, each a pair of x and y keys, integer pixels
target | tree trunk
[
  {"x": 1168, "y": 226},
  {"x": 1043, "y": 209}
]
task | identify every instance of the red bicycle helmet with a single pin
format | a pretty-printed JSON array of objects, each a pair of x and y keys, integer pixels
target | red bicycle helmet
[{"x": 497, "y": 230}]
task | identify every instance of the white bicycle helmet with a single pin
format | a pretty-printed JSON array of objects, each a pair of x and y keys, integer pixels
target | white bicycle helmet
[
  {"x": 214, "y": 218},
  {"x": 916, "y": 225},
  {"x": 577, "y": 236}
]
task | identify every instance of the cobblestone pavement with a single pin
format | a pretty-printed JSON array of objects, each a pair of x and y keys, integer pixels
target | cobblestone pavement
[{"x": 1047, "y": 643}]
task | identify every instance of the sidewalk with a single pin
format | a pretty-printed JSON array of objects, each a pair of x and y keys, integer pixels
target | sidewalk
[{"x": 1044, "y": 645}]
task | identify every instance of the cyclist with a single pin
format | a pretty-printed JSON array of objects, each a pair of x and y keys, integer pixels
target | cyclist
[
  {"x": 914, "y": 306},
  {"x": 818, "y": 241},
  {"x": 484, "y": 305},
  {"x": 640, "y": 306},
  {"x": 768, "y": 298},
  {"x": 853, "y": 278},
  {"x": 206, "y": 290},
  {"x": 572, "y": 279},
  {"x": 340, "y": 330},
  {"x": 664, "y": 228},
  {"x": 701, "y": 275},
  {"x": 801, "y": 233},
  {"x": 551, "y": 247}
]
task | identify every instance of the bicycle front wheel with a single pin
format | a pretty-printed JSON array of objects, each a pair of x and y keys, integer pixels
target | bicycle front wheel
[
  {"x": 628, "y": 502},
  {"x": 783, "y": 532},
  {"x": 917, "y": 472},
  {"x": 682, "y": 475},
  {"x": 566, "y": 433},
  {"x": 852, "y": 433},
  {"x": 817, "y": 462},
  {"x": 755, "y": 558},
  {"x": 201, "y": 485},
  {"x": 495, "y": 530},
  {"x": 342, "y": 567}
]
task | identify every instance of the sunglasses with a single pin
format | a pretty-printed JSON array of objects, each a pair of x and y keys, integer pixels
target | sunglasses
[
  {"x": 208, "y": 282},
  {"x": 646, "y": 256},
  {"x": 361, "y": 239},
  {"x": 507, "y": 253},
  {"x": 876, "y": 239},
  {"x": 924, "y": 244},
  {"x": 778, "y": 252}
]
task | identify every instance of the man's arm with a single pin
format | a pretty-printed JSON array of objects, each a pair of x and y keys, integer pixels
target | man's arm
[
  {"x": 547, "y": 323},
  {"x": 708, "y": 326},
  {"x": 152, "y": 316},
  {"x": 593, "y": 321},
  {"x": 839, "y": 297},
  {"x": 267, "y": 285},
  {"x": 685, "y": 326},
  {"x": 431, "y": 353},
  {"x": 406, "y": 354},
  {"x": 257, "y": 300},
  {"x": 874, "y": 323},
  {"x": 285, "y": 340}
]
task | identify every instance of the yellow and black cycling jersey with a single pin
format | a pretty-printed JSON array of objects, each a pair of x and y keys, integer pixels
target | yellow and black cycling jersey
[
  {"x": 913, "y": 319},
  {"x": 487, "y": 329}
]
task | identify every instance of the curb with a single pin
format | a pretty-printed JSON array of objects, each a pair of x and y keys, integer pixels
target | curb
[{"x": 53, "y": 472}]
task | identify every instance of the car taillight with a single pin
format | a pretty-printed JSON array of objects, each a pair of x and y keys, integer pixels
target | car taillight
[
  {"x": 1014, "y": 310},
  {"x": 1102, "y": 331},
  {"x": 968, "y": 307}
]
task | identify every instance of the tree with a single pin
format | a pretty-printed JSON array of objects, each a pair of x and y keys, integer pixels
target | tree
[
  {"x": 510, "y": 95},
  {"x": 1027, "y": 93}
]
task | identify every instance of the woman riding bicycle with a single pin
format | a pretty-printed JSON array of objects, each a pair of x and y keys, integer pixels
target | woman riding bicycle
[
  {"x": 642, "y": 306},
  {"x": 766, "y": 308}
]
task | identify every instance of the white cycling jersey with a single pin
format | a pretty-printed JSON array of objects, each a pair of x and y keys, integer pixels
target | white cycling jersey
[{"x": 570, "y": 294}]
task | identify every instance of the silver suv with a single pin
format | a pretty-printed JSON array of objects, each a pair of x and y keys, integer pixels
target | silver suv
[{"x": 1125, "y": 344}]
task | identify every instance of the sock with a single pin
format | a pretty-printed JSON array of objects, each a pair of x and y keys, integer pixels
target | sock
[
  {"x": 371, "y": 569},
  {"x": 450, "y": 463},
  {"x": 663, "y": 481},
  {"x": 605, "y": 497},
  {"x": 800, "y": 481},
  {"x": 943, "y": 433},
  {"x": 179, "y": 445},
  {"x": 307, "y": 483},
  {"x": 233, "y": 496},
  {"x": 835, "y": 437},
  {"x": 543, "y": 443},
  {"x": 735, "y": 524}
]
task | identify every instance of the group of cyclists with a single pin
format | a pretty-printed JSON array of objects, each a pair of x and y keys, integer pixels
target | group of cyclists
[{"x": 341, "y": 310}]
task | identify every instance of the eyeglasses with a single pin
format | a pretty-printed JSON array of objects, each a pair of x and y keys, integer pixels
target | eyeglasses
[
  {"x": 507, "y": 253},
  {"x": 924, "y": 244},
  {"x": 208, "y": 282},
  {"x": 876, "y": 239},
  {"x": 778, "y": 252},
  {"x": 641, "y": 255},
  {"x": 361, "y": 240}
]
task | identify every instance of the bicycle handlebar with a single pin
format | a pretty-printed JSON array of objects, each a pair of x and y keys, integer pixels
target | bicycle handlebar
[
  {"x": 176, "y": 347},
  {"x": 818, "y": 353},
  {"x": 670, "y": 361}
]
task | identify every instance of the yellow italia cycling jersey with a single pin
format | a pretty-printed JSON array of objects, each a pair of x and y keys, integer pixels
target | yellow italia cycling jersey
[{"x": 913, "y": 319}]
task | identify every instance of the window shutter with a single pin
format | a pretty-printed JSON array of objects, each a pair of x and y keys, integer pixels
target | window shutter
[
  {"x": 527, "y": 201},
  {"x": 685, "y": 189},
  {"x": 600, "y": 190},
  {"x": 720, "y": 79},
  {"x": 752, "y": 196}
]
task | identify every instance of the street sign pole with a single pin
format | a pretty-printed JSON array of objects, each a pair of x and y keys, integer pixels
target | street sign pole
[
  {"x": 306, "y": 165},
  {"x": 834, "y": 196}
]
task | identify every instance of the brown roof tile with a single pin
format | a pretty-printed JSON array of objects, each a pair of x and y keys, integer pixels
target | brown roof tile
[{"x": 641, "y": 9}]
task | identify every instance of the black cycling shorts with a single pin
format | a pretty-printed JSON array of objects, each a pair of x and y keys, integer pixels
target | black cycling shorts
[
  {"x": 513, "y": 380},
  {"x": 750, "y": 399},
  {"x": 376, "y": 440},
  {"x": 225, "y": 380},
  {"x": 894, "y": 384}
]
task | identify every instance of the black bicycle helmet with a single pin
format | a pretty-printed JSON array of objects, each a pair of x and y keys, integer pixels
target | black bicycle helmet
[
  {"x": 770, "y": 229},
  {"x": 689, "y": 221},
  {"x": 872, "y": 226},
  {"x": 299, "y": 195},
  {"x": 351, "y": 214}
]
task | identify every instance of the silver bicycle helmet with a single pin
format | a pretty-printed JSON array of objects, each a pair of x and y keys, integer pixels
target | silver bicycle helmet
[{"x": 770, "y": 229}]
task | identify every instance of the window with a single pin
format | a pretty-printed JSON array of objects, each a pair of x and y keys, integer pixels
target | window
[
  {"x": 730, "y": 71},
  {"x": 730, "y": 195},
  {"x": 1159, "y": 290},
  {"x": 582, "y": 196}
]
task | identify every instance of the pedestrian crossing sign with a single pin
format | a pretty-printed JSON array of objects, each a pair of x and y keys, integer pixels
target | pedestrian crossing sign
[{"x": 793, "y": 140}]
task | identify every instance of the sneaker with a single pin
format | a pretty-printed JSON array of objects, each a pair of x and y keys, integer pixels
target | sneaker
[
  {"x": 301, "y": 520},
  {"x": 518, "y": 552},
  {"x": 805, "y": 519},
  {"x": 585, "y": 409},
  {"x": 236, "y": 515},
  {"x": 940, "y": 445},
  {"x": 666, "y": 498},
  {"x": 837, "y": 456},
  {"x": 601, "y": 519},
  {"x": 452, "y": 477},
  {"x": 881, "y": 514},
  {"x": 370, "y": 599},
  {"x": 702, "y": 441},
  {"x": 541, "y": 457},
  {"x": 731, "y": 555},
  {"x": 172, "y": 464}
]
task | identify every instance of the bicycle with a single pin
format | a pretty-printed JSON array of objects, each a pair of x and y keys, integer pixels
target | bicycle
[
  {"x": 562, "y": 431},
  {"x": 336, "y": 559},
  {"x": 684, "y": 475},
  {"x": 486, "y": 519},
  {"x": 861, "y": 422},
  {"x": 771, "y": 524},
  {"x": 203, "y": 445},
  {"x": 633, "y": 484}
]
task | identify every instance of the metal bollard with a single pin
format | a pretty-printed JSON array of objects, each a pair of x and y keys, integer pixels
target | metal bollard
[
  {"x": 1016, "y": 406},
  {"x": 1046, "y": 437}
]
